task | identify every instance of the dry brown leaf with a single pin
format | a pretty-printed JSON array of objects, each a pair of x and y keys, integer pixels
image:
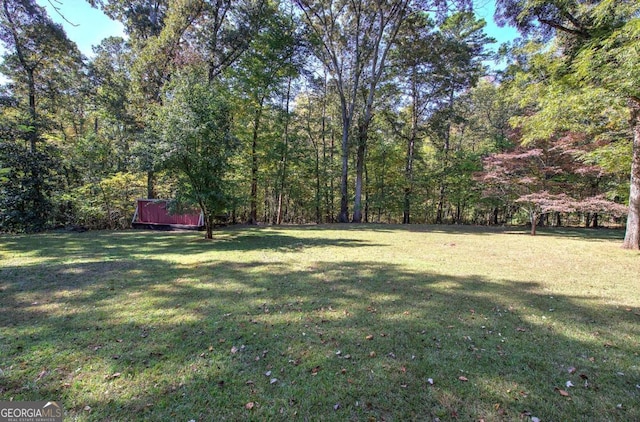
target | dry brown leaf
[
  {"x": 250, "y": 405},
  {"x": 463, "y": 379},
  {"x": 369, "y": 337},
  {"x": 563, "y": 393}
]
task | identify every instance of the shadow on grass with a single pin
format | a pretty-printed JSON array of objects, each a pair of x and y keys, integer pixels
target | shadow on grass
[
  {"x": 102, "y": 245},
  {"x": 145, "y": 339}
]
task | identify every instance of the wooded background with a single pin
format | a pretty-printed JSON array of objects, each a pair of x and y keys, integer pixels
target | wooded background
[{"x": 303, "y": 111}]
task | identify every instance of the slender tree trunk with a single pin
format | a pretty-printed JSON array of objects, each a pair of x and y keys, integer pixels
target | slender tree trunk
[
  {"x": 332, "y": 188},
  {"x": 632, "y": 235},
  {"x": 344, "y": 205},
  {"x": 411, "y": 142},
  {"x": 534, "y": 221},
  {"x": 33, "y": 134},
  {"x": 283, "y": 160},
  {"x": 408, "y": 176},
  {"x": 445, "y": 164},
  {"x": 318, "y": 199},
  {"x": 440, "y": 209},
  {"x": 360, "y": 157},
  {"x": 151, "y": 184},
  {"x": 253, "y": 213},
  {"x": 209, "y": 226},
  {"x": 366, "y": 193}
]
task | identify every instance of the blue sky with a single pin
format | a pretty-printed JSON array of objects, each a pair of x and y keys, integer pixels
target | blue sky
[{"x": 93, "y": 25}]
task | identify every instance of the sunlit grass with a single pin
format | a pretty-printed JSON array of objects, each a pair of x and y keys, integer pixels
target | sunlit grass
[{"x": 323, "y": 323}]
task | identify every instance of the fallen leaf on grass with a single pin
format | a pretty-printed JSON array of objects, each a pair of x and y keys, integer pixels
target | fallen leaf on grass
[
  {"x": 112, "y": 376},
  {"x": 569, "y": 384},
  {"x": 336, "y": 406},
  {"x": 234, "y": 350},
  {"x": 463, "y": 379},
  {"x": 250, "y": 405},
  {"x": 273, "y": 380},
  {"x": 315, "y": 370},
  {"x": 563, "y": 393},
  {"x": 520, "y": 329},
  {"x": 430, "y": 381},
  {"x": 571, "y": 370},
  {"x": 369, "y": 337},
  {"x": 372, "y": 354}
]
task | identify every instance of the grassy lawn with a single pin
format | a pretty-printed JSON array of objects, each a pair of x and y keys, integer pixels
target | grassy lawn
[{"x": 357, "y": 323}]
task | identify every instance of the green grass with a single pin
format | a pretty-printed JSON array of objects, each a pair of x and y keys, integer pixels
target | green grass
[{"x": 323, "y": 323}]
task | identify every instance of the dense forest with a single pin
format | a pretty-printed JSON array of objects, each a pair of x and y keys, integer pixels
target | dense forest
[{"x": 301, "y": 111}]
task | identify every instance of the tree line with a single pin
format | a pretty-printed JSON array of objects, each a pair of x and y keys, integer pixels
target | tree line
[{"x": 298, "y": 111}]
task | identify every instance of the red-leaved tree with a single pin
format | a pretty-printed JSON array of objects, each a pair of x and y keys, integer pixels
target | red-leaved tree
[{"x": 545, "y": 177}]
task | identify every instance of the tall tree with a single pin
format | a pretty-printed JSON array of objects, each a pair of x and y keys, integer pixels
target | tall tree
[
  {"x": 353, "y": 39},
  {"x": 40, "y": 62},
  {"x": 33, "y": 43},
  {"x": 415, "y": 62},
  {"x": 270, "y": 62},
  {"x": 460, "y": 46},
  {"x": 194, "y": 126},
  {"x": 599, "y": 42}
]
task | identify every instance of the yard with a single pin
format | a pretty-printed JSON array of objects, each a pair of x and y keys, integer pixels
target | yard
[{"x": 339, "y": 322}]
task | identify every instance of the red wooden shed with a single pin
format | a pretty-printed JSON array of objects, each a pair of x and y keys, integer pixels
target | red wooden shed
[{"x": 153, "y": 214}]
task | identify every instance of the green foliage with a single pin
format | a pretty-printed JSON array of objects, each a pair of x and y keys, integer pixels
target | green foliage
[
  {"x": 29, "y": 182},
  {"x": 107, "y": 203},
  {"x": 194, "y": 126}
]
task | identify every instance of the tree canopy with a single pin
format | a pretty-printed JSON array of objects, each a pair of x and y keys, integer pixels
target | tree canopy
[{"x": 295, "y": 111}]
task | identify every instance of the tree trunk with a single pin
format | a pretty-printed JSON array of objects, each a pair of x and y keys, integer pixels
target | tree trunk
[
  {"x": 33, "y": 133},
  {"x": 534, "y": 221},
  {"x": 208, "y": 222},
  {"x": 332, "y": 188},
  {"x": 151, "y": 184},
  {"x": 360, "y": 157},
  {"x": 632, "y": 235},
  {"x": 408, "y": 176},
  {"x": 253, "y": 213},
  {"x": 318, "y": 199},
  {"x": 344, "y": 206},
  {"x": 440, "y": 210},
  {"x": 284, "y": 157}
]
